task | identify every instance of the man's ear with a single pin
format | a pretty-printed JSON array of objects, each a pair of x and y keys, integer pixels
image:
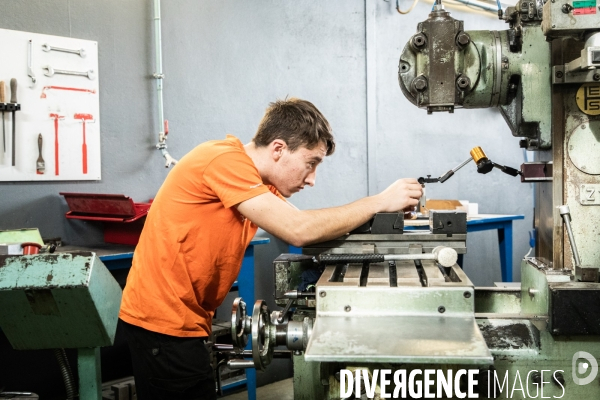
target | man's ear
[{"x": 276, "y": 148}]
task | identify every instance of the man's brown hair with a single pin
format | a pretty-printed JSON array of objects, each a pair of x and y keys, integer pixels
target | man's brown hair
[{"x": 297, "y": 122}]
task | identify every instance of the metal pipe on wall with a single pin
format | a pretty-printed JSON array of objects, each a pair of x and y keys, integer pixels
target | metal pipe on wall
[{"x": 158, "y": 75}]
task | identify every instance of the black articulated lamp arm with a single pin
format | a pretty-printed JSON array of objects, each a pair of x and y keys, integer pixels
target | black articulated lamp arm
[{"x": 484, "y": 165}]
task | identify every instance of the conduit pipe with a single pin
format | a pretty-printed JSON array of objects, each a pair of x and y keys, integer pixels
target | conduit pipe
[{"x": 159, "y": 76}]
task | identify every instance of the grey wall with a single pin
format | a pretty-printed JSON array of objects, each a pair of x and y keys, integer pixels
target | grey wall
[{"x": 224, "y": 61}]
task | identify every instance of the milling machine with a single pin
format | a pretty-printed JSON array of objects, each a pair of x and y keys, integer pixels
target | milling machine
[{"x": 354, "y": 303}]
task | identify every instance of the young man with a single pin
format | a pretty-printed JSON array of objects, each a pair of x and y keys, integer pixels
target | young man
[{"x": 201, "y": 221}]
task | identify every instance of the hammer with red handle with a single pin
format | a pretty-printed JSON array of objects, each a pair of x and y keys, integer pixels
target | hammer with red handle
[
  {"x": 83, "y": 118},
  {"x": 56, "y": 118}
]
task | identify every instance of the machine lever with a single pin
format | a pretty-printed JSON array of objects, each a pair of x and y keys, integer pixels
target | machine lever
[
  {"x": 566, "y": 216},
  {"x": 446, "y": 256},
  {"x": 285, "y": 310}
]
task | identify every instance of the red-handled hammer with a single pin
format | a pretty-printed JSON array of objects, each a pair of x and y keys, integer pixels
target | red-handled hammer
[
  {"x": 83, "y": 118},
  {"x": 56, "y": 118}
]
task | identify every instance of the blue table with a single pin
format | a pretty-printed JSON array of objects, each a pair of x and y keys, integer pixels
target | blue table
[{"x": 502, "y": 223}]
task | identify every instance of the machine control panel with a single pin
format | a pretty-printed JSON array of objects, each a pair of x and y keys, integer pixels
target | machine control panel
[{"x": 566, "y": 18}]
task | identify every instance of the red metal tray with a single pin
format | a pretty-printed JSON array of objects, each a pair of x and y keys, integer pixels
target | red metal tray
[{"x": 104, "y": 207}]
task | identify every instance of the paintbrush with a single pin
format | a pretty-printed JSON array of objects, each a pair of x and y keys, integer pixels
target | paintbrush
[{"x": 40, "y": 165}]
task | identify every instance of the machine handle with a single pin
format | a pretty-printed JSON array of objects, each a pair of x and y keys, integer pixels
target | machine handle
[
  {"x": 240, "y": 364},
  {"x": 351, "y": 258}
]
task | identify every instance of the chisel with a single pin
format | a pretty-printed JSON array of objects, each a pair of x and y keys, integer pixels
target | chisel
[
  {"x": 13, "y": 99},
  {"x": 3, "y": 100}
]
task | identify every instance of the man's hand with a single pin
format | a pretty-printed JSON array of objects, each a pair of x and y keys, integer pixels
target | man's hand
[
  {"x": 400, "y": 195},
  {"x": 311, "y": 226}
]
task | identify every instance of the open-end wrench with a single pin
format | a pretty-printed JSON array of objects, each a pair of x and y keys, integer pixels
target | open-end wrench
[
  {"x": 46, "y": 47},
  {"x": 30, "y": 65},
  {"x": 51, "y": 71}
]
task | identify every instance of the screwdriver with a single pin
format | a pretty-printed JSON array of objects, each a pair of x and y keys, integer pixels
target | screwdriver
[
  {"x": 13, "y": 99},
  {"x": 3, "y": 100}
]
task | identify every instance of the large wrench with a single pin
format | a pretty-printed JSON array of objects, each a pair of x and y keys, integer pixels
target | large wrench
[
  {"x": 46, "y": 47},
  {"x": 51, "y": 71},
  {"x": 30, "y": 64}
]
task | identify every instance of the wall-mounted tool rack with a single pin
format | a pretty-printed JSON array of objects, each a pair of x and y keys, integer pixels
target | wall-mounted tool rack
[{"x": 55, "y": 80}]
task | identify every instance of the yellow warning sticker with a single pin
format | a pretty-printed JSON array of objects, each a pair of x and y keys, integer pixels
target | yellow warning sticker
[{"x": 588, "y": 98}]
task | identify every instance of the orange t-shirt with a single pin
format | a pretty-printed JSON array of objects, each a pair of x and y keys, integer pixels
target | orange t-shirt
[{"x": 191, "y": 248}]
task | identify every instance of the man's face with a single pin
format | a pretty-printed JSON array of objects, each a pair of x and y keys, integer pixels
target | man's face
[{"x": 298, "y": 169}]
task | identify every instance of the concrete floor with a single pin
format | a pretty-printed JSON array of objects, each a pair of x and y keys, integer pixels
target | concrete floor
[{"x": 282, "y": 390}]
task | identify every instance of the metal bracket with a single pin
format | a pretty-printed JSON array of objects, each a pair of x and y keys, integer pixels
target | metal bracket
[{"x": 561, "y": 74}]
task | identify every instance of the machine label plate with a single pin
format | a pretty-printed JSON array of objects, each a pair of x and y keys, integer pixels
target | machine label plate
[
  {"x": 584, "y": 7},
  {"x": 584, "y": 11},
  {"x": 589, "y": 195},
  {"x": 584, "y": 3},
  {"x": 588, "y": 98}
]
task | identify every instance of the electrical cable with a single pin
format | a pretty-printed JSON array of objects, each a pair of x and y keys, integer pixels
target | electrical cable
[{"x": 409, "y": 9}]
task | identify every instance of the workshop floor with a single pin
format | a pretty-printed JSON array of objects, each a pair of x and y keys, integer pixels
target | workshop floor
[{"x": 282, "y": 390}]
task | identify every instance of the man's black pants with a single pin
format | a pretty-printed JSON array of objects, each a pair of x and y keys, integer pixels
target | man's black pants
[{"x": 169, "y": 367}]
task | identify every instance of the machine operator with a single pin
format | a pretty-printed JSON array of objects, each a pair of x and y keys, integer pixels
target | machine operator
[{"x": 200, "y": 223}]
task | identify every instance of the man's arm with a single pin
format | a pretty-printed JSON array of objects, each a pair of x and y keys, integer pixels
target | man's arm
[{"x": 303, "y": 227}]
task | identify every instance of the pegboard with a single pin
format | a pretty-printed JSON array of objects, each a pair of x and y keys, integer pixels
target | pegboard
[{"x": 54, "y": 107}]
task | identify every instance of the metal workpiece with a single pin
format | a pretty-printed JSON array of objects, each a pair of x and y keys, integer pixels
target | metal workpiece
[{"x": 448, "y": 222}]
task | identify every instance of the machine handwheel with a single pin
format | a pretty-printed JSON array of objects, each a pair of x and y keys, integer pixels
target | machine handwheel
[
  {"x": 263, "y": 335},
  {"x": 239, "y": 320}
]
